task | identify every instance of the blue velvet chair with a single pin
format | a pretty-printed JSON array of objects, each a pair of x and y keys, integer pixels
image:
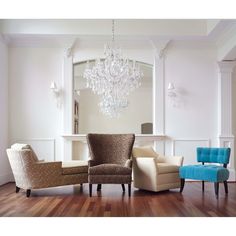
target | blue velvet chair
[{"x": 210, "y": 172}]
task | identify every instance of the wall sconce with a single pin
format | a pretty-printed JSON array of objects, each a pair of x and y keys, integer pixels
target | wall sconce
[
  {"x": 54, "y": 88},
  {"x": 171, "y": 90},
  {"x": 57, "y": 93},
  {"x": 77, "y": 91}
]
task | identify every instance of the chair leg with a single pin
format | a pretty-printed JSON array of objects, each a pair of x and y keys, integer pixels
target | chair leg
[
  {"x": 123, "y": 187},
  {"x": 99, "y": 187},
  {"x": 182, "y": 181},
  {"x": 216, "y": 184},
  {"x": 203, "y": 186},
  {"x": 28, "y": 192},
  {"x": 129, "y": 189},
  {"x": 226, "y": 187},
  {"x": 17, "y": 189},
  {"x": 90, "y": 190}
]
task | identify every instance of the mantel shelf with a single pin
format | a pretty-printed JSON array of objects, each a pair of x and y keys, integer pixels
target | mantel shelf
[{"x": 138, "y": 137}]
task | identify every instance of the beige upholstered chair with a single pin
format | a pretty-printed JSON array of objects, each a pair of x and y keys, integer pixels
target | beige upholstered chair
[
  {"x": 110, "y": 160},
  {"x": 30, "y": 173},
  {"x": 153, "y": 171}
]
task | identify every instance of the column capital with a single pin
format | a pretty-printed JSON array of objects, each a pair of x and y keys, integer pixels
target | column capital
[
  {"x": 226, "y": 66},
  {"x": 70, "y": 50},
  {"x": 160, "y": 47}
]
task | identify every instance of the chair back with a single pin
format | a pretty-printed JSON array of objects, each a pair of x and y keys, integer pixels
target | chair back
[
  {"x": 21, "y": 158},
  {"x": 213, "y": 155},
  {"x": 110, "y": 148}
]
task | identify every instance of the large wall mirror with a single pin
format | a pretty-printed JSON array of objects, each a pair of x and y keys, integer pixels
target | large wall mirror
[{"x": 136, "y": 118}]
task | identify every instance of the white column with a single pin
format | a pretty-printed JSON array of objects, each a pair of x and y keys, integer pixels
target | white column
[
  {"x": 68, "y": 105},
  {"x": 159, "y": 92},
  {"x": 226, "y": 137}
]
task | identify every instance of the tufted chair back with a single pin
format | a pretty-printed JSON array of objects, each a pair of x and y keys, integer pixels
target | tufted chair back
[
  {"x": 213, "y": 155},
  {"x": 110, "y": 148}
]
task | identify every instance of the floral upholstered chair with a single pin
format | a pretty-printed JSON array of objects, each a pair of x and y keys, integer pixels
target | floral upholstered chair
[
  {"x": 30, "y": 173},
  {"x": 110, "y": 160}
]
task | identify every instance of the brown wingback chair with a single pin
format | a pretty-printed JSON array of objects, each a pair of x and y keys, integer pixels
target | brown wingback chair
[{"x": 110, "y": 160}]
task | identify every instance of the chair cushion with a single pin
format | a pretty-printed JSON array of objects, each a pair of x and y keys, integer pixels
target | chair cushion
[
  {"x": 212, "y": 173},
  {"x": 165, "y": 168},
  {"x": 74, "y": 167},
  {"x": 109, "y": 169}
]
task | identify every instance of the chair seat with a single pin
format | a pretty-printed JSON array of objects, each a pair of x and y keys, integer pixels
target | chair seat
[
  {"x": 109, "y": 169},
  {"x": 212, "y": 173},
  {"x": 165, "y": 168},
  {"x": 74, "y": 167}
]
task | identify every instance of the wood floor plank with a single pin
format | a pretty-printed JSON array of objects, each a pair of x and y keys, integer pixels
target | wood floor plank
[{"x": 73, "y": 201}]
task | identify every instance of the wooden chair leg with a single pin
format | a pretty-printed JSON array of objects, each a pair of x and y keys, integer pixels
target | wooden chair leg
[
  {"x": 17, "y": 189},
  {"x": 129, "y": 189},
  {"x": 216, "y": 184},
  {"x": 28, "y": 192},
  {"x": 123, "y": 187},
  {"x": 226, "y": 187},
  {"x": 90, "y": 190},
  {"x": 99, "y": 187},
  {"x": 182, "y": 182},
  {"x": 203, "y": 186}
]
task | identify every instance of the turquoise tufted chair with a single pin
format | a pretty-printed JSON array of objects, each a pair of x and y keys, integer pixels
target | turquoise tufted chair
[{"x": 210, "y": 172}]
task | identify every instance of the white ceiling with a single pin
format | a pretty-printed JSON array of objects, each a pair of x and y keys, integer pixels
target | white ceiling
[{"x": 129, "y": 33}]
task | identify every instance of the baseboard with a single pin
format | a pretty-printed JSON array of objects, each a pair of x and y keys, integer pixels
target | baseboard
[
  {"x": 6, "y": 178},
  {"x": 232, "y": 176}
]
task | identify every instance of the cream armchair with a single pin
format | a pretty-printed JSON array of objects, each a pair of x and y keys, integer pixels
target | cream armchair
[
  {"x": 30, "y": 173},
  {"x": 153, "y": 171}
]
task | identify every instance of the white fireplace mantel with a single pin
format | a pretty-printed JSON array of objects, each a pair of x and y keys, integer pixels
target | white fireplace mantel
[{"x": 138, "y": 137}]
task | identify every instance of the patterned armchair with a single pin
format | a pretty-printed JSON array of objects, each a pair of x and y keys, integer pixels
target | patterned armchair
[
  {"x": 110, "y": 160},
  {"x": 30, "y": 173}
]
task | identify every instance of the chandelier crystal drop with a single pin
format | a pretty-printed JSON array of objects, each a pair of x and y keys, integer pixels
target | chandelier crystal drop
[{"x": 113, "y": 78}]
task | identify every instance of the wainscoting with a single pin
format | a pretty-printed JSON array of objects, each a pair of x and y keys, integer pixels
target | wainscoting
[
  {"x": 44, "y": 148},
  {"x": 187, "y": 148}
]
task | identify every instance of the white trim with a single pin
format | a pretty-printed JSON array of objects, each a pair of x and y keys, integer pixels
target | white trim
[
  {"x": 208, "y": 142},
  {"x": 41, "y": 140}
]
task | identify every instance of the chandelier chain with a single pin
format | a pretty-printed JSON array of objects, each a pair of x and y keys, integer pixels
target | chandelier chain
[{"x": 113, "y": 31}]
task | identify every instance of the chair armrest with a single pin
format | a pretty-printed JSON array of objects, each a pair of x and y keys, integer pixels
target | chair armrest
[
  {"x": 175, "y": 160},
  {"x": 128, "y": 163},
  {"x": 145, "y": 172},
  {"x": 91, "y": 163},
  {"x": 147, "y": 165},
  {"x": 49, "y": 167}
]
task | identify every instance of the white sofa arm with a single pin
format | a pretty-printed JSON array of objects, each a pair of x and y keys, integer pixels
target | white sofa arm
[
  {"x": 174, "y": 160},
  {"x": 145, "y": 172}
]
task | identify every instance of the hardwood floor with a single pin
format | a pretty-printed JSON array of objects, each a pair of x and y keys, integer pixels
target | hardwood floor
[{"x": 111, "y": 201}]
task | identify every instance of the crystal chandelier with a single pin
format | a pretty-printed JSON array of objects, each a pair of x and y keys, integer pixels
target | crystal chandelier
[{"x": 113, "y": 78}]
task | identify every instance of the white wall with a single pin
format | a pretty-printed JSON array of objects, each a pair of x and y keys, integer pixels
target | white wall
[
  {"x": 34, "y": 115},
  {"x": 234, "y": 109},
  {"x": 193, "y": 120},
  {"x": 190, "y": 66},
  {"x": 5, "y": 172}
]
